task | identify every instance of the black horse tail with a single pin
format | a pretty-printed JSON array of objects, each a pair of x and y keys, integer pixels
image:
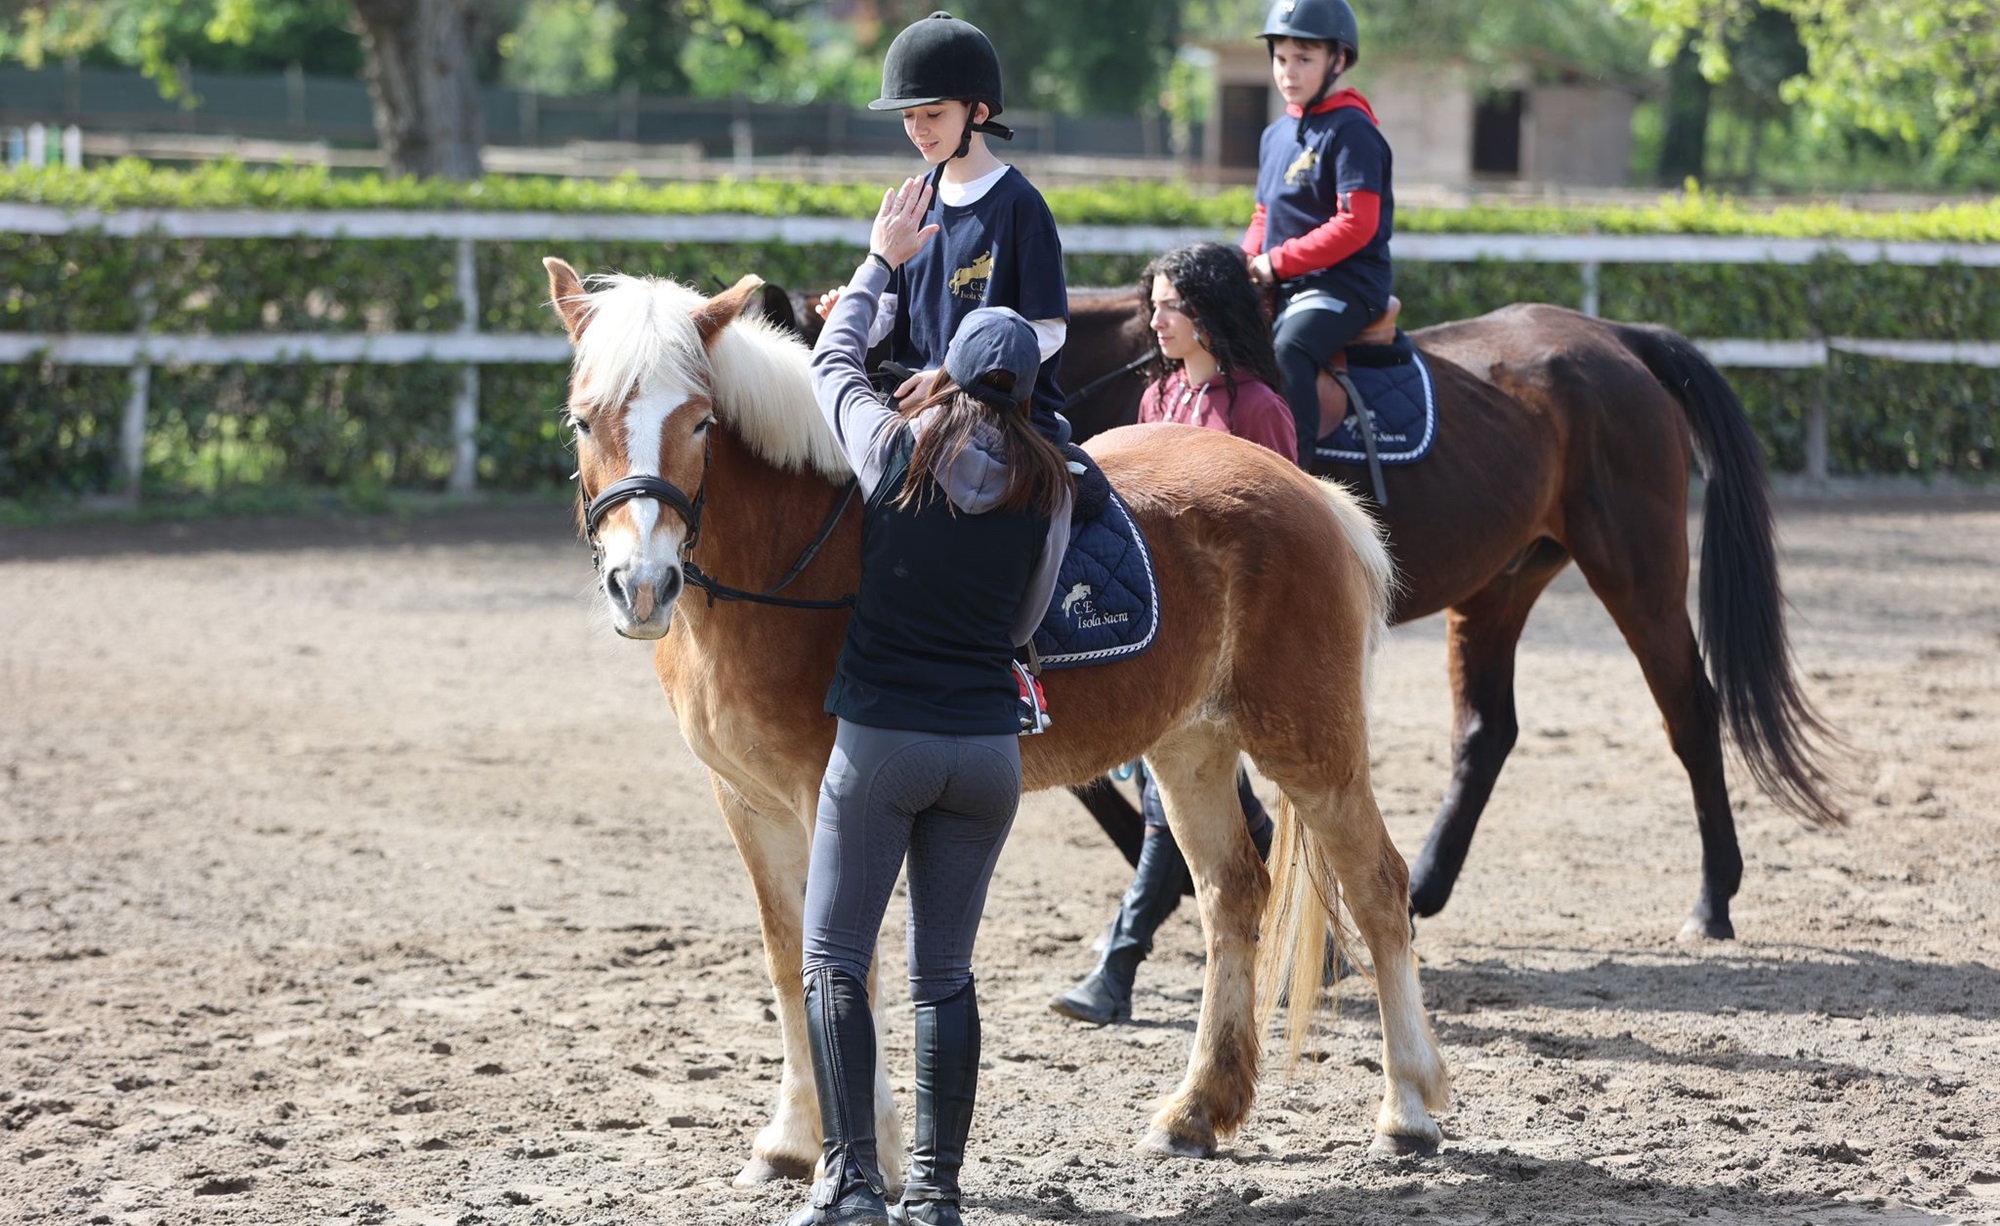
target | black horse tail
[{"x": 1783, "y": 739}]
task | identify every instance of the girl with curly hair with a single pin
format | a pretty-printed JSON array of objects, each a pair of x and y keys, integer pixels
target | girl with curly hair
[{"x": 1217, "y": 368}]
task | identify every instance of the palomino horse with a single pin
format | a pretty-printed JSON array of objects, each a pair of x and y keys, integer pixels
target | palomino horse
[
  {"x": 701, "y": 453},
  {"x": 1561, "y": 437}
]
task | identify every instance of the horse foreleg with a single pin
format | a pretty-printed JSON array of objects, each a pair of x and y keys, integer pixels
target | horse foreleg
[
  {"x": 1481, "y": 635},
  {"x": 1197, "y": 779},
  {"x": 775, "y": 851},
  {"x": 1374, "y": 882}
]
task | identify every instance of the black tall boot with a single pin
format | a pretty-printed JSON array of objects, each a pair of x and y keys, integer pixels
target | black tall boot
[
  {"x": 1158, "y": 880},
  {"x": 947, "y": 1076},
  {"x": 841, "y": 1032},
  {"x": 1105, "y": 996}
]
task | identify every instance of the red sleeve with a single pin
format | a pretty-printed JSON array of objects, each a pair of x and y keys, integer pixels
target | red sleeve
[
  {"x": 1344, "y": 233},
  {"x": 1262, "y": 416},
  {"x": 1253, "y": 237}
]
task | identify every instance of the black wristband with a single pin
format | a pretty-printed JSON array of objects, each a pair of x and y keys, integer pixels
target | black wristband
[{"x": 876, "y": 257}]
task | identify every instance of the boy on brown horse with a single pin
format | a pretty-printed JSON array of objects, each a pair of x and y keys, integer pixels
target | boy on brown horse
[{"x": 1325, "y": 211}]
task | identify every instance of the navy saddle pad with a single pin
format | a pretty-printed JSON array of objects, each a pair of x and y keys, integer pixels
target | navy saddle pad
[
  {"x": 1106, "y": 605},
  {"x": 1395, "y": 383}
]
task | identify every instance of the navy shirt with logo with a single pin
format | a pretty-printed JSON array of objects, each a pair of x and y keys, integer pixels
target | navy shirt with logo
[
  {"x": 1001, "y": 250},
  {"x": 1301, "y": 185}
]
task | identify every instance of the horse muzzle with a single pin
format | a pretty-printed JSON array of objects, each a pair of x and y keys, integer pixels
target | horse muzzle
[{"x": 642, "y": 597}]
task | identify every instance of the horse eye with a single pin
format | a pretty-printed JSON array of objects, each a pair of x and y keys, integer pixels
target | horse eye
[
  {"x": 577, "y": 423},
  {"x": 701, "y": 427}
]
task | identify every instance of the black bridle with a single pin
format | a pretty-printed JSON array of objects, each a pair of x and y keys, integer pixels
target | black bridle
[{"x": 689, "y": 509}]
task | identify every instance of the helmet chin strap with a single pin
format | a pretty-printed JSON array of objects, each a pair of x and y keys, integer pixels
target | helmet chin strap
[
  {"x": 988, "y": 126},
  {"x": 1325, "y": 84}
]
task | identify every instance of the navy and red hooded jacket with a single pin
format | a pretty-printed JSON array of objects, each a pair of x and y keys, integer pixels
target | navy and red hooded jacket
[{"x": 1325, "y": 208}]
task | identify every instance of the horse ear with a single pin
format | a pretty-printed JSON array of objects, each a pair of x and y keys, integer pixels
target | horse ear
[
  {"x": 567, "y": 294},
  {"x": 721, "y": 311}
]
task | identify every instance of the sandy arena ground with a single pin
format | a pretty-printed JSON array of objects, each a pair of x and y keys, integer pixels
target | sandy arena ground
[{"x": 352, "y": 872}]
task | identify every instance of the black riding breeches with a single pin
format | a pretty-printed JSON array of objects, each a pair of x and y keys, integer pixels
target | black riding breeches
[{"x": 1306, "y": 338}]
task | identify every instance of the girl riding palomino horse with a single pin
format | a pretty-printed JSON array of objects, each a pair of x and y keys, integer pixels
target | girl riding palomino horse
[{"x": 997, "y": 244}]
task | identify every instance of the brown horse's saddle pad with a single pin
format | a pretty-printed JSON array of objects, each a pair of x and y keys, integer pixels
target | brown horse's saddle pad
[{"x": 1332, "y": 396}]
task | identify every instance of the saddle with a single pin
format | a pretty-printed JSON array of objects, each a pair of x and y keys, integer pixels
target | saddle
[{"x": 1332, "y": 389}]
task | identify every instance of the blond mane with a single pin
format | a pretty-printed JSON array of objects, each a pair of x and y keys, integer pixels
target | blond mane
[{"x": 642, "y": 329}]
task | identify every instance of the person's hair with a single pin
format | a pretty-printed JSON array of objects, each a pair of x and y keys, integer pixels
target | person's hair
[
  {"x": 1036, "y": 472},
  {"x": 1334, "y": 47},
  {"x": 1213, "y": 280}
]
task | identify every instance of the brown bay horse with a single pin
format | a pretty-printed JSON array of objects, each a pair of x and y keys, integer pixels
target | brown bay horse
[
  {"x": 703, "y": 460},
  {"x": 1561, "y": 437}
]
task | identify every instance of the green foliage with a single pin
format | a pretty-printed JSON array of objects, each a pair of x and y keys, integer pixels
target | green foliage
[
  {"x": 213, "y": 35},
  {"x": 1922, "y": 71},
  {"x": 563, "y": 47},
  {"x": 364, "y": 433}
]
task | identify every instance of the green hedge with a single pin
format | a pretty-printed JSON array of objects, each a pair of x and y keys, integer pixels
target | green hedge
[
  {"x": 217, "y": 433},
  {"x": 216, "y": 185}
]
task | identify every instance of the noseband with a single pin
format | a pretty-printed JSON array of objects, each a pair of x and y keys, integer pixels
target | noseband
[
  {"x": 689, "y": 509},
  {"x": 644, "y": 486}
]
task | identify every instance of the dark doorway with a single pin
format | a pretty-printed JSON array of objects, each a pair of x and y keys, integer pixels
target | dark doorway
[
  {"x": 1245, "y": 112},
  {"x": 1496, "y": 133}
]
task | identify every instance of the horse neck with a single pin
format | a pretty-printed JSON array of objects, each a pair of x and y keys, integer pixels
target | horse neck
[{"x": 757, "y": 519}]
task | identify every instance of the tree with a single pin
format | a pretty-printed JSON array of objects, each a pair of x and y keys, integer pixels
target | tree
[
  {"x": 1921, "y": 71},
  {"x": 429, "y": 115},
  {"x": 1099, "y": 57}
]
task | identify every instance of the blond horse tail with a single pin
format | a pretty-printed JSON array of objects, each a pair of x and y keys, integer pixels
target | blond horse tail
[
  {"x": 1368, "y": 543},
  {"x": 1302, "y": 915}
]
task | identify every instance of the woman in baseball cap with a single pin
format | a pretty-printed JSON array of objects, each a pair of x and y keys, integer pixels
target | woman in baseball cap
[{"x": 966, "y": 520}]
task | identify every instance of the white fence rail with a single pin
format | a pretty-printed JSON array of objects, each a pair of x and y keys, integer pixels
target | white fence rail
[{"x": 471, "y": 348}]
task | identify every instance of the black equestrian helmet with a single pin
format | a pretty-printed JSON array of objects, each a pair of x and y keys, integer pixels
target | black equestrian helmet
[
  {"x": 1326, "y": 21},
  {"x": 939, "y": 58}
]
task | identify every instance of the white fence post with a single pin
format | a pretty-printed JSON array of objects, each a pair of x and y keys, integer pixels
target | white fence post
[
  {"x": 1590, "y": 271},
  {"x": 1815, "y": 440},
  {"x": 132, "y": 428},
  {"x": 464, "y": 477}
]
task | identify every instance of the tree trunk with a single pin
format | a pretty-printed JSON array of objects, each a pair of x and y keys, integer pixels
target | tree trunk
[
  {"x": 1684, "y": 148},
  {"x": 429, "y": 115}
]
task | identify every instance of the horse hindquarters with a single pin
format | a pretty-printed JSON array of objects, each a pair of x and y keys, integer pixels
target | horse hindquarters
[{"x": 1301, "y": 679}]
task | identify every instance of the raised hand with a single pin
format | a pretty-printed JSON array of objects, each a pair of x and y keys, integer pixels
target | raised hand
[{"x": 899, "y": 232}]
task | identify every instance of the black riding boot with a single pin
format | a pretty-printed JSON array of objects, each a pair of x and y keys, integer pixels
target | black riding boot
[
  {"x": 1158, "y": 880},
  {"x": 841, "y": 1032},
  {"x": 1105, "y": 996},
  {"x": 947, "y": 1075}
]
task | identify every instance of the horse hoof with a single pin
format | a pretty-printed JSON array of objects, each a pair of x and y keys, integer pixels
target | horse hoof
[
  {"x": 1388, "y": 1146},
  {"x": 1699, "y": 929},
  {"x": 1163, "y": 1144},
  {"x": 766, "y": 1170}
]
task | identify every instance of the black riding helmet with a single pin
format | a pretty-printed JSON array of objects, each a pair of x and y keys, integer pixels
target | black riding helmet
[
  {"x": 1325, "y": 21},
  {"x": 939, "y": 59}
]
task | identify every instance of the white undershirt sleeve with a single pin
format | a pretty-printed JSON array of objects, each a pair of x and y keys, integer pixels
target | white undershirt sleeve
[{"x": 1049, "y": 335}]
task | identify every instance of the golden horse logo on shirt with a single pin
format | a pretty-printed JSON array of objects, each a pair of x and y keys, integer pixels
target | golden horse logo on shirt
[
  {"x": 1301, "y": 167},
  {"x": 970, "y": 281}
]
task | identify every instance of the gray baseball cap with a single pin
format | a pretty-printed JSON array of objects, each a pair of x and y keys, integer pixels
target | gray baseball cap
[{"x": 990, "y": 339}]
